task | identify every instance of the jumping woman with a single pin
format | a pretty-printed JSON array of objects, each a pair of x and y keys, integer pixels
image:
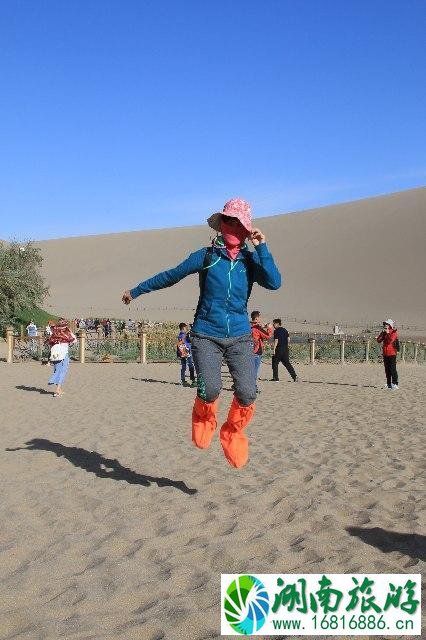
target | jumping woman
[{"x": 227, "y": 271}]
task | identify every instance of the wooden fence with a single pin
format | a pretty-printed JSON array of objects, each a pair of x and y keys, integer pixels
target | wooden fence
[
  {"x": 24, "y": 348},
  {"x": 34, "y": 346}
]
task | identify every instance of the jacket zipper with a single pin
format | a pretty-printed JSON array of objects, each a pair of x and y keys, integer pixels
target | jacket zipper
[{"x": 233, "y": 264}]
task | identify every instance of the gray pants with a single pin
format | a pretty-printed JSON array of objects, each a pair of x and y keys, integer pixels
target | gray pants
[{"x": 208, "y": 353}]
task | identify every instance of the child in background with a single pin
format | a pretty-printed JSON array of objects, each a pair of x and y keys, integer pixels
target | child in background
[
  {"x": 260, "y": 334},
  {"x": 48, "y": 329},
  {"x": 184, "y": 353}
]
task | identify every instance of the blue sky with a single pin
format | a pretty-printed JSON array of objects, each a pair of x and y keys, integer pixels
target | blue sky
[{"x": 131, "y": 115}]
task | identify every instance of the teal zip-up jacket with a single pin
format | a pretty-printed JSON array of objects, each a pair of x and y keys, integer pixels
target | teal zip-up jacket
[{"x": 222, "y": 310}]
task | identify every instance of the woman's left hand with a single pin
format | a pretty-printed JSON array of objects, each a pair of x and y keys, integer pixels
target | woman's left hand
[{"x": 257, "y": 237}]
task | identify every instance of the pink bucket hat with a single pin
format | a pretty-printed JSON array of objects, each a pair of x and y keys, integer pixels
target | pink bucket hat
[{"x": 235, "y": 208}]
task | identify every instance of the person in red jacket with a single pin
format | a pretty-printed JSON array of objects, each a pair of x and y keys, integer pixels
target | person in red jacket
[
  {"x": 390, "y": 347},
  {"x": 260, "y": 333}
]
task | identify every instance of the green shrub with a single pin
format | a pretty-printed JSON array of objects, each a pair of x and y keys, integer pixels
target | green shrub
[
  {"x": 22, "y": 287},
  {"x": 39, "y": 317}
]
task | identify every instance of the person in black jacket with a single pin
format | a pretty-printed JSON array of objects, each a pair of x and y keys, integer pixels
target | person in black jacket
[{"x": 281, "y": 352}]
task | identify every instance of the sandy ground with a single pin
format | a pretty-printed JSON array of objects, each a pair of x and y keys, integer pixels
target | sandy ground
[{"x": 113, "y": 526}]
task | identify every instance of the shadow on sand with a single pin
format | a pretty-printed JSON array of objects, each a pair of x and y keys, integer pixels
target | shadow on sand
[
  {"x": 336, "y": 384},
  {"x": 411, "y": 544},
  {"x": 22, "y": 387},
  {"x": 342, "y": 384},
  {"x": 102, "y": 467},
  {"x": 174, "y": 384}
]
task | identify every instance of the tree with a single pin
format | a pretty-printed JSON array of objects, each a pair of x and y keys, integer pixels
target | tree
[{"x": 22, "y": 286}]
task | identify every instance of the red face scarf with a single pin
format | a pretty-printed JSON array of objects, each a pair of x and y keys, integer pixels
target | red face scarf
[{"x": 233, "y": 237}]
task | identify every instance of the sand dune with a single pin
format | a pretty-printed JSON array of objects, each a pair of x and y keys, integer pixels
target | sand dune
[
  {"x": 353, "y": 263},
  {"x": 113, "y": 526}
]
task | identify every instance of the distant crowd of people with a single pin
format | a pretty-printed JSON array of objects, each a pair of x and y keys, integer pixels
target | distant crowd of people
[
  {"x": 93, "y": 324},
  {"x": 107, "y": 325}
]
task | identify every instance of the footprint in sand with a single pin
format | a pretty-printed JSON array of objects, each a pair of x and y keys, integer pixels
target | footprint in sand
[{"x": 362, "y": 517}]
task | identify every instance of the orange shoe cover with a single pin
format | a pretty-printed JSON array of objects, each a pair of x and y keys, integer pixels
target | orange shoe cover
[
  {"x": 204, "y": 422},
  {"x": 234, "y": 442}
]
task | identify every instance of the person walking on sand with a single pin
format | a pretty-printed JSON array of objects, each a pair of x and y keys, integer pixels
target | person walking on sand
[
  {"x": 390, "y": 347},
  {"x": 32, "y": 333},
  {"x": 281, "y": 351},
  {"x": 260, "y": 333},
  {"x": 227, "y": 271},
  {"x": 184, "y": 353},
  {"x": 59, "y": 342},
  {"x": 31, "y": 329}
]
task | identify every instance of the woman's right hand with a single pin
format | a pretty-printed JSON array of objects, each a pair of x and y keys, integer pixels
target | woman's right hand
[
  {"x": 257, "y": 237},
  {"x": 127, "y": 298}
]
